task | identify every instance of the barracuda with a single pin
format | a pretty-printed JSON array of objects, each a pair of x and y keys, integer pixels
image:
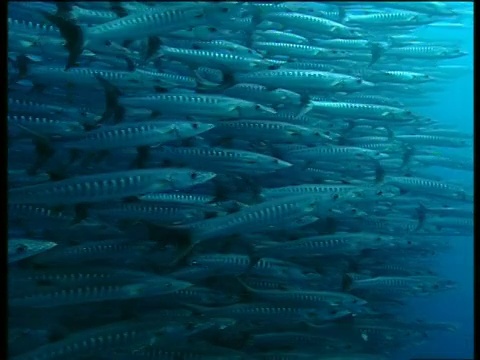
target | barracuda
[
  {"x": 314, "y": 24},
  {"x": 108, "y": 186}
]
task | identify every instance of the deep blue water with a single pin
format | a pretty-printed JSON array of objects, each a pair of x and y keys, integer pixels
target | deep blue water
[{"x": 455, "y": 107}]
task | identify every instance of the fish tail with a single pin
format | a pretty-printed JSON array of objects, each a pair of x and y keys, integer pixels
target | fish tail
[
  {"x": 347, "y": 282},
  {"x": 73, "y": 35},
  {"x": 112, "y": 106},
  {"x": 379, "y": 172},
  {"x": 377, "y": 51}
]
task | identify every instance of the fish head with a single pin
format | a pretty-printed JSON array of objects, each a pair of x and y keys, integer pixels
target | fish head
[
  {"x": 166, "y": 284},
  {"x": 189, "y": 178},
  {"x": 377, "y": 155},
  {"x": 288, "y": 96},
  {"x": 262, "y": 109},
  {"x": 279, "y": 164},
  {"x": 192, "y": 128}
]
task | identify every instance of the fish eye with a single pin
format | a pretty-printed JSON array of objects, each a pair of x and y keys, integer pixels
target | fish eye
[
  {"x": 378, "y": 238},
  {"x": 409, "y": 242},
  {"x": 379, "y": 193},
  {"x": 108, "y": 43},
  {"x": 257, "y": 107},
  {"x": 335, "y": 196},
  {"x": 168, "y": 284},
  {"x": 224, "y": 10},
  {"x": 195, "y": 125},
  {"x": 212, "y": 29},
  {"x": 193, "y": 175},
  {"x": 333, "y": 51},
  {"x": 353, "y": 211},
  {"x": 333, "y": 311},
  {"x": 436, "y": 286}
]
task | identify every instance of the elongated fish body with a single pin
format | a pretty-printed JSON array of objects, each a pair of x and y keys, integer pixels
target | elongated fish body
[
  {"x": 298, "y": 50},
  {"x": 23, "y": 27},
  {"x": 320, "y": 153},
  {"x": 91, "y": 16},
  {"x": 271, "y": 193},
  {"x": 433, "y": 187},
  {"x": 328, "y": 244},
  {"x": 220, "y": 60},
  {"x": 222, "y": 160},
  {"x": 433, "y": 140},
  {"x": 170, "y": 351},
  {"x": 44, "y": 74},
  {"x": 278, "y": 36},
  {"x": 25, "y": 106},
  {"x": 304, "y": 80},
  {"x": 147, "y": 23},
  {"x": 260, "y": 93},
  {"x": 108, "y": 186},
  {"x": 19, "y": 249},
  {"x": 389, "y": 19},
  {"x": 267, "y": 130},
  {"x": 256, "y": 217},
  {"x": 308, "y": 298},
  {"x": 277, "y": 314},
  {"x": 344, "y": 44},
  {"x": 314, "y": 24},
  {"x": 137, "y": 134},
  {"x": 92, "y": 341},
  {"x": 425, "y": 52},
  {"x": 403, "y": 77},
  {"x": 87, "y": 294},
  {"x": 45, "y": 125},
  {"x": 181, "y": 198},
  {"x": 370, "y": 111},
  {"x": 197, "y": 105},
  {"x": 94, "y": 250},
  {"x": 155, "y": 213}
]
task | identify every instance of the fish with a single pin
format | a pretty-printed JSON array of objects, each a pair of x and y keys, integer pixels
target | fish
[{"x": 242, "y": 180}]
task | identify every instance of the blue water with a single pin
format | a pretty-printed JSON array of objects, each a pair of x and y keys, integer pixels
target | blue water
[{"x": 455, "y": 107}]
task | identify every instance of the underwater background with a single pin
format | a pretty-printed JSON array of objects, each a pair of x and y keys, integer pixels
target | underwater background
[{"x": 451, "y": 107}]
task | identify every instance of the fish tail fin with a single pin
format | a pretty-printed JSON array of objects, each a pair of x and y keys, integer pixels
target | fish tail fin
[
  {"x": 64, "y": 9},
  {"x": 72, "y": 33},
  {"x": 112, "y": 106},
  {"x": 154, "y": 44},
  {"x": 421, "y": 215},
  {"x": 143, "y": 154},
  {"x": 44, "y": 149},
  {"x": 347, "y": 282},
  {"x": 118, "y": 9},
  {"x": 305, "y": 109},
  {"x": 377, "y": 50},
  {"x": 205, "y": 85},
  {"x": 379, "y": 172},
  {"x": 21, "y": 63},
  {"x": 407, "y": 155}
]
